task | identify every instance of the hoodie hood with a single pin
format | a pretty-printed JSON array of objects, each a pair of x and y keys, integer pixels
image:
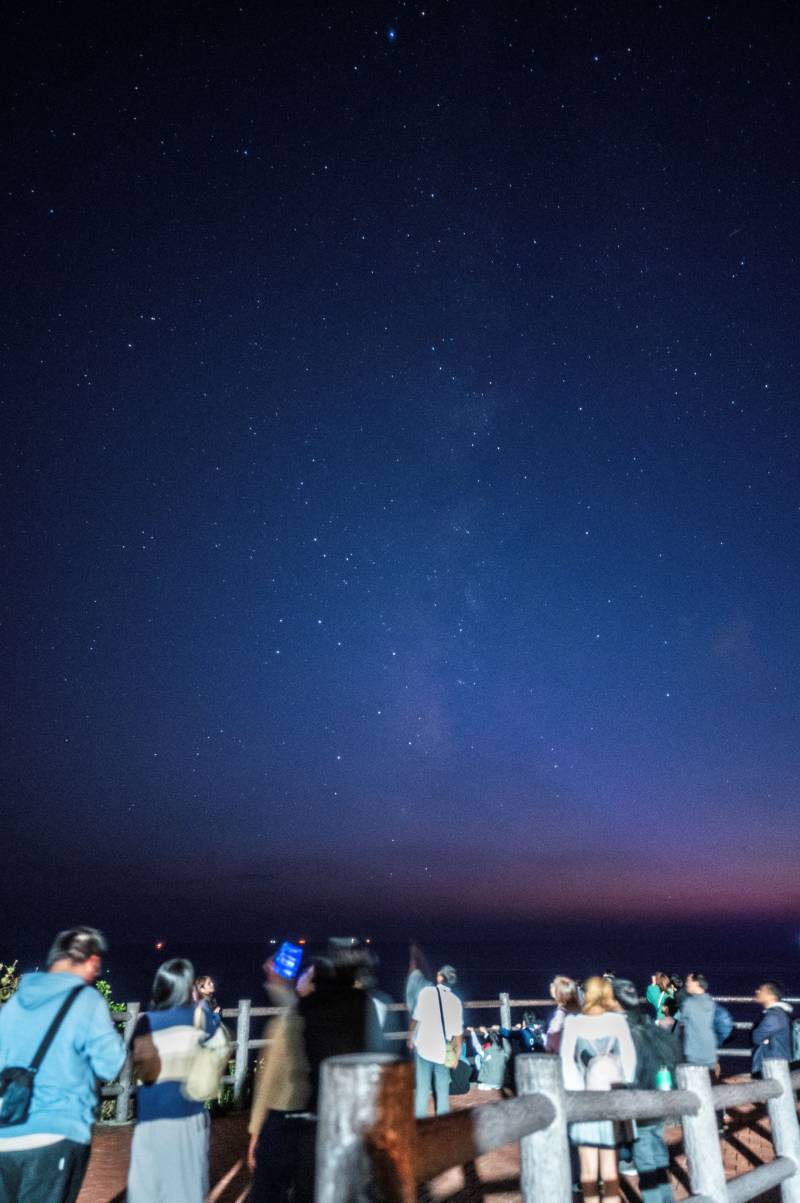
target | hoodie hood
[
  {"x": 784, "y": 1006},
  {"x": 38, "y": 989}
]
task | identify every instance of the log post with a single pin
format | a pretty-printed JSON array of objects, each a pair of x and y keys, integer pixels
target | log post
[
  {"x": 505, "y": 1021},
  {"x": 367, "y": 1132},
  {"x": 242, "y": 1051},
  {"x": 545, "y": 1170},
  {"x": 701, "y": 1138},
  {"x": 783, "y": 1122},
  {"x": 123, "y": 1106}
]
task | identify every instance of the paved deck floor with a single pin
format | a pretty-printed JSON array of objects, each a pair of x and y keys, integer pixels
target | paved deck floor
[{"x": 494, "y": 1179}]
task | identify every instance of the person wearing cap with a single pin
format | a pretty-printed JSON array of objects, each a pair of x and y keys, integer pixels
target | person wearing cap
[{"x": 438, "y": 1020}]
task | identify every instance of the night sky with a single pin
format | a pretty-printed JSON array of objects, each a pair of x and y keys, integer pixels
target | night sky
[{"x": 400, "y": 482}]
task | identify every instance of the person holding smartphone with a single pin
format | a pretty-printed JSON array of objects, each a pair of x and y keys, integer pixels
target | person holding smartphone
[
  {"x": 281, "y": 1088},
  {"x": 330, "y": 1014}
]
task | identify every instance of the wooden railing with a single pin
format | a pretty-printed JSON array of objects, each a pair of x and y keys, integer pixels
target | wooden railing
[
  {"x": 244, "y": 1044},
  {"x": 370, "y": 1146}
]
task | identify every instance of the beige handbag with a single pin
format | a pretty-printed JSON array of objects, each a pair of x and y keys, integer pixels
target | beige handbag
[{"x": 208, "y": 1064}]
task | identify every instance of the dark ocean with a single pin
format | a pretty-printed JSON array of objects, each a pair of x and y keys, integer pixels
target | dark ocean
[{"x": 735, "y": 957}]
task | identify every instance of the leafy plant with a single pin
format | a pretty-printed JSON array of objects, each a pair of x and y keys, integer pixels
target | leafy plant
[
  {"x": 9, "y": 980},
  {"x": 108, "y": 1107},
  {"x": 104, "y": 986}
]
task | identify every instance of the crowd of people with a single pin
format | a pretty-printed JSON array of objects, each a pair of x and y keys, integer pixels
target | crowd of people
[{"x": 58, "y": 1040}]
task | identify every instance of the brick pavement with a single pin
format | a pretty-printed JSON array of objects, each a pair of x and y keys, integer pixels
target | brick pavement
[{"x": 493, "y": 1179}]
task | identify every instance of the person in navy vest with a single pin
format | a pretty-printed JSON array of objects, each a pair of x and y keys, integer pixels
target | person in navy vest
[
  {"x": 772, "y": 1035},
  {"x": 169, "y": 1152}
]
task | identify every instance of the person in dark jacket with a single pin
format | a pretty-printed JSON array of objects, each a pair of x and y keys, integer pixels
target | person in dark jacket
[
  {"x": 656, "y": 1048},
  {"x": 527, "y": 1037},
  {"x": 333, "y": 1015},
  {"x": 772, "y": 1035}
]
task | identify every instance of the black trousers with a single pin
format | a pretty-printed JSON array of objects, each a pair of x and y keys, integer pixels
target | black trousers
[
  {"x": 51, "y": 1174},
  {"x": 285, "y": 1160}
]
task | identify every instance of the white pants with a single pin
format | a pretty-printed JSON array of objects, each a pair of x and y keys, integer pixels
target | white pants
[{"x": 169, "y": 1161}]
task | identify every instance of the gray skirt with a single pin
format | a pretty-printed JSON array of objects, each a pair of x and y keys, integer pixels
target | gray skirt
[{"x": 169, "y": 1160}]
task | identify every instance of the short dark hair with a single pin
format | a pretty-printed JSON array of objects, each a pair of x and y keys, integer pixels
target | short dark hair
[
  {"x": 77, "y": 944},
  {"x": 775, "y": 988},
  {"x": 172, "y": 985},
  {"x": 700, "y": 978},
  {"x": 449, "y": 974}
]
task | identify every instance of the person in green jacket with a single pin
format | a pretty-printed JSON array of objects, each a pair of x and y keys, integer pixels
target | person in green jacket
[{"x": 657, "y": 992}]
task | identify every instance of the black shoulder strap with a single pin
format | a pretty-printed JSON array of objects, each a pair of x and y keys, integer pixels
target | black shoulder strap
[
  {"x": 50, "y": 1034},
  {"x": 441, "y": 1013}
]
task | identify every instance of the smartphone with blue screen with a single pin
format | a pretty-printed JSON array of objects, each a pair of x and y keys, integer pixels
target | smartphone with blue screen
[{"x": 286, "y": 961}]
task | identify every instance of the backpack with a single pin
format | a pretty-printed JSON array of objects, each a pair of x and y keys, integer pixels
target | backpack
[
  {"x": 723, "y": 1023},
  {"x": 603, "y": 1071}
]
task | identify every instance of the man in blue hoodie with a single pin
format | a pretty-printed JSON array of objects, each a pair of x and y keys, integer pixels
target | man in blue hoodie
[{"x": 44, "y": 1159}]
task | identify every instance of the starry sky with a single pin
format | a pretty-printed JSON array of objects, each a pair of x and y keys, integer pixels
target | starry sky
[{"x": 399, "y": 464}]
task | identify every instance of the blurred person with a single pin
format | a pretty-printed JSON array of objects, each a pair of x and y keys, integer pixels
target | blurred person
[
  {"x": 492, "y": 1073},
  {"x": 657, "y": 992},
  {"x": 333, "y": 1015},
  {"x": 772, "y": 1035},
  {"x": 698, "y": 1025},
  {"x": 656, "y": 1049},
  {"x": 697, "y": 1018},
  {"x": 419, "y": 975},
  {"x": 43, "y": 1159},
  {"x": 438, "y": 1021},
  {"x": 564, "y": 992},
  {"x": 204, "y": 994},
  {"x": 169, "y": 1153},
  {"x": 525, "y": 1037},
  {"x": 669, "y": 1009},
  {"x": 597, "y": 1052},
  {"x": 281, "y": 1090}
]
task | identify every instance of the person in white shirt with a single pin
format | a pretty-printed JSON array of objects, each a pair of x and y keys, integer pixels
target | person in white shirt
[
  {"x": 597, "y": 1053},
  {"x": 438, "y": 1020}
]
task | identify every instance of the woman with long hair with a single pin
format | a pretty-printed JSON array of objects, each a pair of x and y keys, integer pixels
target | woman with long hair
[
  {"x": 597, "y": 1052},
  {"x": 169, "y": 1154}
]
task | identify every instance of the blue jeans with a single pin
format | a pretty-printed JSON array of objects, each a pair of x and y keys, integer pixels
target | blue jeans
[
  {"x": 431, "y": 1074},
  {"x": 651, "y": 1158}
]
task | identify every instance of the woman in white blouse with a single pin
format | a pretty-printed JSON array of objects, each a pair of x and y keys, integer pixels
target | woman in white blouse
[{"x": 597, "y": 1052}]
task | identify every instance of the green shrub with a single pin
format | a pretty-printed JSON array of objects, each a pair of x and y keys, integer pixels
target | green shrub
[{"x": 9, "y": 980}]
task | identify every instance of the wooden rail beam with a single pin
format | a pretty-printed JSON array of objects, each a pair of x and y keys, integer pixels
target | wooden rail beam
[
  {"x": 629, "y": 1104},
  {"x": 462, "y": 1136},
  {"x": 755, "y": 1182}
]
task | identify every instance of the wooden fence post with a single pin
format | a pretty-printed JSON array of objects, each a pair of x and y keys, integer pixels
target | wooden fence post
[
  {"x": 126, "y": 1074},
  {"x": 505, "y": 1020},
  {"x": 242, "y": 1051},
  {"x": 367, "y": 1131},
  {"x": 545, "y": 1171},
  {"x": 783, "y": 1122},
  {"x": 701, "y": 1137}
]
